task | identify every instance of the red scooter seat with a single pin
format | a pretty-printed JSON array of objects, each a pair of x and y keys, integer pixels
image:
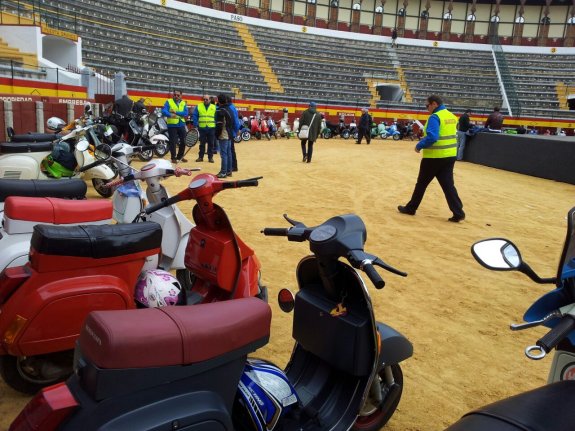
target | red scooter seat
[
  {"x": 57, "y": 211},
  {"x": 176, "y": 335}
]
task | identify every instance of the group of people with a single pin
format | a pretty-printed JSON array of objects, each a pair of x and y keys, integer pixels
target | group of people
[{"x": 218, "y": 123}]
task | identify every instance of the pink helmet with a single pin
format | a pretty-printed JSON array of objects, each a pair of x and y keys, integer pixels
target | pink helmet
[{"x": 158, "y": 288}]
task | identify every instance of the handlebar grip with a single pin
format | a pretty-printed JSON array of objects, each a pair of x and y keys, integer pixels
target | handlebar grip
[
  {"x": 275, "y": 231},
  {"x": 374, "y": 276},
  {"x": 550, "y": 340},
  {"x": 92, "y": 165}
]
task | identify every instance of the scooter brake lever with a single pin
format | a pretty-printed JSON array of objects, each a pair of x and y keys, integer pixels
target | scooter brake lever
[
  {"x": 294, "y": 222},
  {"x": 521, "y": 326}
]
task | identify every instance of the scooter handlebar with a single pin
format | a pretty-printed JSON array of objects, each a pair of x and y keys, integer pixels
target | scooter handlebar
[
  {"x": 550, "y": 340},
  {"x": 170, "y": 201},
  {"x": 373, "y": 275},
  {"x": 250, "y": 182},
  {"x": 93, "y": 165},
  {"x": 275, "y": 231}
]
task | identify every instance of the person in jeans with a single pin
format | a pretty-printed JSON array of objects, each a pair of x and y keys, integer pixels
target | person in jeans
[
  {"x": 204, "y": 118},
  {"x": 175, "y": 111},
  {"x": 225, "y": 124},
  {"x": 312, "y": 119},
  {"x": 439, "y": 145},
  {"x": 463, "y": 126},
  {"x": 237, "y": 127}
]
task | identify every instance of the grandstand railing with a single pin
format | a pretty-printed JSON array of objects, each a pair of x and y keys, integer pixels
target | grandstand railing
[{"x": 510, "y": 94}]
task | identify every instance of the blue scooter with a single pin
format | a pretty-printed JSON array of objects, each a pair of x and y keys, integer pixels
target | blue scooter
[{"x": 549, "y": 407}]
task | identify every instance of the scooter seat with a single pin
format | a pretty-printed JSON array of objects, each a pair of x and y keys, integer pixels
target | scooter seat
[
  {"x": 96, "y": 241},
  {"x": 74, "y": 188},
  {"x": 172, "y": 335},
  {"x": 35, "y": 137},
  {"x": 548, "y": 408},
  {"x": 24, "y": 147},
  {"x": 57, "y": 211}
]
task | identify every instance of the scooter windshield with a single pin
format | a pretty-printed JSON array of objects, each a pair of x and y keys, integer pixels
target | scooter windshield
[{"x": 566, "y": 267}]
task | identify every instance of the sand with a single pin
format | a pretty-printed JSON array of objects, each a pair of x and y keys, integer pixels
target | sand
[{"x": 455, "y": 312}]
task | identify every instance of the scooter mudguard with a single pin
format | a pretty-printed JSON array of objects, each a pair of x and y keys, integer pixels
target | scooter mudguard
[{"x": 394, "y": 346}]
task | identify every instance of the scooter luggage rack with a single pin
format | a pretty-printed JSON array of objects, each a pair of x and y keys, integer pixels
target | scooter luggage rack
[{"x": 112, "y": 358}]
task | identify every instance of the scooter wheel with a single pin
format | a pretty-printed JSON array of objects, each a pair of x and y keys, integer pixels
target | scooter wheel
[
  {"x": 396, "y": 137},
  {"x": 29, "y": 374},
  {"x": 375, "y": 414},
  {"x": 100, "y": 186},
  {"x": 146, "y": 156},
  {"x": 161, "y": 149}
]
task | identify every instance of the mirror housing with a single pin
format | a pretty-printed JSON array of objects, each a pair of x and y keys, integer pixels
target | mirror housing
[
  {"x": 82, "y": 144},
  {"x": 286, "y": 300}
]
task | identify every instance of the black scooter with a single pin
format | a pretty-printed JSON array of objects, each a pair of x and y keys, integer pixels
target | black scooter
[{"x": 187, "y": 369}]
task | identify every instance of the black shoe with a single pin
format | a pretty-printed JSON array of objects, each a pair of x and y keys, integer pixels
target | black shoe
[
  {"x": 404, "y": 210},
  {"x": 304, "y": 159},
  {"x": 228, "y": 174},
  {"x": 222, "y": 175},
  {"x": 211, "y": 160},
  {"x": 199, "y": 159},
  {"x": 309, "y": 160},
  {"x": 358, "y": 143},
  {"x": 174, "y": 161},
  {"x": 235, "y": 169},
  {"x": 183, "y": 160},
  {"x": 456, "y": 219}
]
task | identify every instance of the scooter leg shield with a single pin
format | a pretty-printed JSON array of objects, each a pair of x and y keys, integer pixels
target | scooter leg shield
[{"x": 394, "y": 346}]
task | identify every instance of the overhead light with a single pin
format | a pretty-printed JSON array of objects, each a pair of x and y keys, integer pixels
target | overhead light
[
  {"x": 494, "y": 19},
  {"x": 471, "y": 17},
  {"x": 520, "y": 20},
  {"x": 401, "y": 12},
  {"x": 447, "y": 16},
  {"x": 334, "y": 3},
  {"x": 356, "y": 6},
  {"x": 379, "y": 9}
]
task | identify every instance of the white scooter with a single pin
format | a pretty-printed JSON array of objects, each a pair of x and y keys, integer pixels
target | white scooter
[{"x": 20, "y": 160}]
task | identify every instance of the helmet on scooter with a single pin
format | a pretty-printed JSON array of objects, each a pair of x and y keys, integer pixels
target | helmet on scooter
[
  {"x": 264, "y": 396},
  {"x": 158, "y": 288},
  {"x": 55, "y": 123}
]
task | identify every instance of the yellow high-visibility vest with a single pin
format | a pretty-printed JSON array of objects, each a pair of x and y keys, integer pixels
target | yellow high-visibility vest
[
  {"x": 206, "y": 117},
  {"x": 446, "y": 144},
  {"x": 176, "y": 108}
]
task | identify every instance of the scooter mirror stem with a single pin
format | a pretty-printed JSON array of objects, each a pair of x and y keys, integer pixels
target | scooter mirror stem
[{"x": 526, "y": 269}]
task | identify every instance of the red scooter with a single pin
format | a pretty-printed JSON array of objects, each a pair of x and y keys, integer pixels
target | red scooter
[
  {"x": 219, "y": 265},
  {"x": 75, "y": 270}
]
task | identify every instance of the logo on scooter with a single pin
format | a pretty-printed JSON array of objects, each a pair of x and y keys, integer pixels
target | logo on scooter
[
  {"x": 568, "y": 372},
  {"x": 90, "y": 331},
  {"x": 209, "y": 267}
]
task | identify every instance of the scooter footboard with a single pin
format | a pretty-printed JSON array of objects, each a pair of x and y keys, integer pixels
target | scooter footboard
[
  {"x": 345, "y": 341},
  {"x": 394, "y": 346}
]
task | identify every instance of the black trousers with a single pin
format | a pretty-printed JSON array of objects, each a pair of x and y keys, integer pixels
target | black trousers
[
  {"x": 307, "y": 154},
  {"x": 361, "y": 133},
  {"x": 442, "y": 169},
  {"x": 177, "y": 140}
]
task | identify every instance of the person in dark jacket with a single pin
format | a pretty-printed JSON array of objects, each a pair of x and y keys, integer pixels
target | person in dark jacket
[
  {"x": 494, "y": 121},
  {"x": 364, "y": 127},
  {"x": 463, "y": 125},
  {"x": 312, "y": 119},
  {"x": 225, "y": 132}
]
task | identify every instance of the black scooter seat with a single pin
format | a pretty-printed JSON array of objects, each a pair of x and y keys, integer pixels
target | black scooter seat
[
  {"x": 35, "y": 137},
  {"x": 172, "y": 335},
  {"x": 24, "y": 147},
  {"x": 548, "y": 408},
  {"x": 74, "y": 188},
  {"x": 96, "y": 241}
]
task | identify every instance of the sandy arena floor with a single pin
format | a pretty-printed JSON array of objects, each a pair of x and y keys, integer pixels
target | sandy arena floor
[{"x": 455, "y": 312}]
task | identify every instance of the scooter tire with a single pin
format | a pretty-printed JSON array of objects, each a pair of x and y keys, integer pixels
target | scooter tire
[
  {"x": 146, "y": 156},
  {"x": 373, "y": 417},
  {"x": 23, "y": 374},
  {"x": 101, "y": 187},
  {"x": 161, "y": 149},
  {"x": 396, "y": 137},
  {"x": 246, "y": 136}
]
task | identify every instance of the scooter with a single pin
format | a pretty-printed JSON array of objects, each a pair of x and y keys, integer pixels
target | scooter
[
  {"x": 188, "y": 381},
  {"x": 77, "y": 269},
  {"x": 19, "y": 160},
  {"x": 392, "y": 132},
  {"x": 549, "y": 407},
  {"x": 243, "y": 135},
  {"x": 218, "y": 264}
]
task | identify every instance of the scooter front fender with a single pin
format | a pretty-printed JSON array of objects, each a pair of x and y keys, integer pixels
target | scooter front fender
[{"x": 394, "y": 347}]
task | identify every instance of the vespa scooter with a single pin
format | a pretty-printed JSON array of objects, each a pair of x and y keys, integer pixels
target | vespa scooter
[
  {"x": 196, "y": 376},
  {"x": 549, "y": 407}
]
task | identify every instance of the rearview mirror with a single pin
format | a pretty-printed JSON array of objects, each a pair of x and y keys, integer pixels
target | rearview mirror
[
  {"x": 82, "y": 144},
  {"x": 497, "y": 254},
  {"x": 286, "y": 300}
]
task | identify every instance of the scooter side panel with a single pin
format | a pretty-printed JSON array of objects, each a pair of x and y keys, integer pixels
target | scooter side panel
[
  {"x": 22, "y": 167},
  {"x": 55, "y": 311},
  {"x": 15, "y": 249}
]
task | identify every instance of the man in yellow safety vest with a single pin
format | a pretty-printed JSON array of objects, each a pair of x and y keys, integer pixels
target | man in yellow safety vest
[
  {"x": 439, "y": 145},
  {"x": 175, "y": 111},
  {"x": 204, "y": 118}
]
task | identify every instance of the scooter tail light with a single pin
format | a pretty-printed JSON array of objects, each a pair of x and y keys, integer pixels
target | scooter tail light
[
  {"x": 11, "y": 279},
  {"x": 47, "y": 410}
]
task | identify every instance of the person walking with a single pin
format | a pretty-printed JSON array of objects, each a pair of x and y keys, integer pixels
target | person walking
[
  {"x": 394, "y": 38},
  {"x": 364, "y": 127},
  {"x": 175, "y": 111},
  {"x": 439, "y": 145},
  {"x": 204, "y": 118},
  {"x": 310, "y": 121},
  {"x": 463, "y": 126},
  {"x": 225, "y": 125}
]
